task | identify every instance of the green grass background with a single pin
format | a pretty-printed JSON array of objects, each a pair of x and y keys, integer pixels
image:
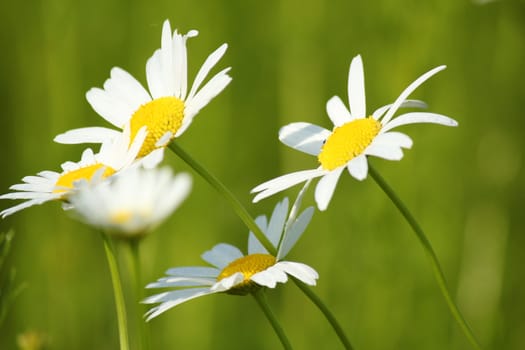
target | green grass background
[{"x": 465, "y": 185}]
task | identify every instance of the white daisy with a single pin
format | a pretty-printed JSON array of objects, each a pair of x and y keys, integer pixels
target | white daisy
[
  {"x": 236, "y": 273},
  {"x": 115, "y": 155},
  {"x": 354, "y": 137},
  {"x": 133, "y": 203},
  {"x": 167, "y": 109}
]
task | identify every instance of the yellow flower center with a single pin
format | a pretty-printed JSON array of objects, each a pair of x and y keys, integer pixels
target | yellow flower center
[
  {"x": 159, "y": 116},
  {"x": 248, "y": 265},
  {"x": 66, "y": 181},
  {"x": 347, "y": 142}
]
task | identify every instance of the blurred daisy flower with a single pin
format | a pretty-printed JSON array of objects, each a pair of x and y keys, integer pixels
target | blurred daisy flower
[
  {"x": 132, "y": 203},
  {"x": 167, "y": 109},
  {"x": 236, "y": 273},
  {"x": 115, "y": 155},
  {"x": 354, "y": 137}
]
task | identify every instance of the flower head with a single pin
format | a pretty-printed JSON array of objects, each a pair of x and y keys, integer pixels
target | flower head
[
  {"x": 167, "y": 109},
  {"x": 114, "y": 156},
  {"x": 133, "y": 203},
  {"x": 355, "y": 136},
  {"x": 236, "y": 273}
]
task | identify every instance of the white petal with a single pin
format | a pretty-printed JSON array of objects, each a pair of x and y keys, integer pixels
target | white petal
[
  {"x": 304, "y": 137},
  {"x": 27, "y": 204},
  {"x": 173, "y": 299},
  {"x": 281, "y": 183},
  {"x": 325, "y": 188},
  {"x": 221, "y": 255},
  {"x": 124, "y": 86},
  {"x": 93, "y": 134},
  {"x": 295, "y": 232},
  {"x": 378, "y": 113},
  {"x": 254, "y": 246},
  {"x": 277, "y": 220},
  {"x": 300, "y": 271},
  {"x": 179, "y": 282},
  {"x": 337, "y": 111},
  {"x": 202, "y": 98},
  {"x": 211, "y": 61},
  {"x": 419, "y": 117},
  {"x": 395, "y": 139},
  {"x": 193, "y": 271},
  {"x": 153, "y": 159},
  {"x": 270, "y": 277},
  {"x": 356, "y": 88},
  {"x": 384, "y": 150},
  {"x": 154, "y": 76},
  {"x": 112, "y": 109},
  {"x": 228, "y": 282},
  {"x": 167, "y": 58},
  {"x": 358, "y": 167},
  {"x": 408, "y": 91}
]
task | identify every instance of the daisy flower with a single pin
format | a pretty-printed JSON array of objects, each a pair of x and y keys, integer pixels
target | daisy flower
[
  {"x": 115, "y": 155},
  {"x": 167, "y": 109},
  {"x": 133, "y": 203},
  {"x": 236, "y": 273},
  {"x": 354, "y": 137}
]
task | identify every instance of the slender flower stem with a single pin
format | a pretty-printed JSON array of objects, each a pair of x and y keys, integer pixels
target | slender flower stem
[
  {"x": 143, "y": 330},
  {"x": 427, "y": 247},
  {"x": 327, "y": 314},
  {"x": 117, "y": 291},
  {"x": 250, "y": 223},
  {"x": 261, "y": 300},
  {"x": 234, "y": 202}
]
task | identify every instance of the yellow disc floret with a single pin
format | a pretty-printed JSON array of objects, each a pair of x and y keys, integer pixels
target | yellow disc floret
[
  {"x": 66, "y": 181},
  {"x": 248, "y": 265},
  {"x": 160, "y": 116},
  {"x": 347, "y": 142}
]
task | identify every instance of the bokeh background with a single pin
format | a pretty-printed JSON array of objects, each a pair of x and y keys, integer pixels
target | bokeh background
[{"x": 465, "y": 185}]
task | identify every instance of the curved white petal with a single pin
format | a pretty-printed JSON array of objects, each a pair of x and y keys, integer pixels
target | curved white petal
[
  {"x": 228, "y": 282},
  {"x": 419, "y": 117},
  {"x": 270, "y": 277},
  {"x": 277, "y": 221},
  {"x": 356, "y": 88},
  {"x": 385, "y": 151},
  {"x": 378, "y": 113},
  {"x": 304, "y": 137},
  {"x": 115, "y": 111},
  {"x": 408, "y": 91},
  {"x": 254, "y": 246},
  {"x": 203, "y": 97},
  {"x": 168, "y": 60},
  {"x": 178, "y": 282},
  {"x": 325, "y": 188},
  {"x": 153, "y": 159},
  {"x": 221, "y": 255},
  {"x": 173, "y": 299},
  {"x": 281, "y": 183},
  {"x": 93, "y": 134},
  {"x": 300, "y": 271},
  {"x": 358, "y": 167},
  {"x": 295, "y": 232},
  {"x": 124, "y": 87},
  {"x": 337, "y": 111},
  {"x": 210, "y": 62},
  {"x": 193, "y": 271},
  {"x": 154, "y": 76},
  {"x": 394, "y": 139}
]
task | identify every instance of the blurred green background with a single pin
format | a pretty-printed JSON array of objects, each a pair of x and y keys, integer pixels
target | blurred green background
[{"x": 465, "y": 185}]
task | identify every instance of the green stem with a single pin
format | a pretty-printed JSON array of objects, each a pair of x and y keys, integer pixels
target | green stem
[
  {"x": 427, "y": 247},
  {"x": 261, "y": 300},
  {"x": 250, "y": 223},
  {"x": 327, "y": 314},
  {"x": 234, "y": 202},
  {"x": 117, "y": 291},
  {"x": 143, "y": 333}
]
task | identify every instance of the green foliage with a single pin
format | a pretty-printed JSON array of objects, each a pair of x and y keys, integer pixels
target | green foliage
[{"x": 9, "y": 290}]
